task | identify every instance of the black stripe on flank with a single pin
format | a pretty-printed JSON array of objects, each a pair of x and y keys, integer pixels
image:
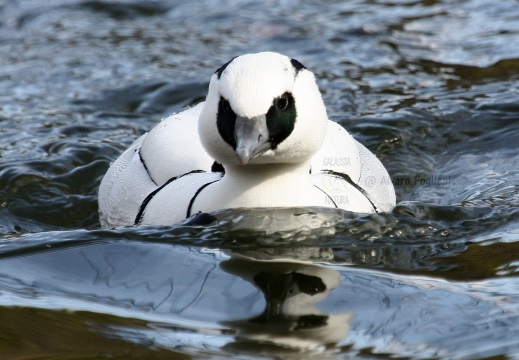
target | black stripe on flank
[
  {"x": 217, "y": 167},
  {"x": 329, "y": 197},
  {"x": 346, "y": 178},
  {"x": 144, "y": 164},
  {"x": 150, "y": 196},
  {"x": 188, "y": 212}
]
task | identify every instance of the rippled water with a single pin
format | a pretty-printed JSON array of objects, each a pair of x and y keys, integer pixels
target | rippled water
[{"x": 429, "y": 86}]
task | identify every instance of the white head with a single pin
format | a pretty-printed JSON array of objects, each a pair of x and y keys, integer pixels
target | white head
[{"x": 262, "y": 108}]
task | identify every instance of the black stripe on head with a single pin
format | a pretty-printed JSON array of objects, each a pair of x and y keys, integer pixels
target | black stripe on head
[
  {"x": 225, "y": 122},
  {"x": 281, "y": 118},
  {"x": 220, "y": 70},
  {"x": 297, "y": 65}
]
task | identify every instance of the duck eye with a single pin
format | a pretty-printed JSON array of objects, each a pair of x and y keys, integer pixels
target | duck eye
[
  {"x": 224, "y": 105},
  {"x": 282, "y": 102}
]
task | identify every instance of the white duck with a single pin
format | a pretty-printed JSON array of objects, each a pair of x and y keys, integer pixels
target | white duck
[{"x": 261, "y": 139}]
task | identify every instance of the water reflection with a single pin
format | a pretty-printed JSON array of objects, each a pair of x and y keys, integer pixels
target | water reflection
[
  {"x": 291, "y": 317},
  {"x": 186, "y": 294},
  {"x": 262, "y": 300}
]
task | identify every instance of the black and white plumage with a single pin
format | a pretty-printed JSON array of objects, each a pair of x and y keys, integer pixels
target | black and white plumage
[{"x": 265, "y": 124}]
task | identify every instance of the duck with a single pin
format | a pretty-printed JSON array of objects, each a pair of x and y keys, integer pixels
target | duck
[{"x": 261, "y": 139}]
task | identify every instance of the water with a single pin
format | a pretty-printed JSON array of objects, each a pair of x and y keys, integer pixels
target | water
[{"x": 429, "y": 86}]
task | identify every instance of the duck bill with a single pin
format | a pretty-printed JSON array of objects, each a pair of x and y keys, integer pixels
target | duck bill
[{"x": 252, "y": 137}]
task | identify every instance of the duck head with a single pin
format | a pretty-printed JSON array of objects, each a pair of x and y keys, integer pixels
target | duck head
[{"x": 262, "y": 108}]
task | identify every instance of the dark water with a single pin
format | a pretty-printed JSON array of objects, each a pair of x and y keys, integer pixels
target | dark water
[{"x": 429, "y": 86}]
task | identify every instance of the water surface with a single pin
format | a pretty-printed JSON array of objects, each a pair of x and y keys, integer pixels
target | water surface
[{"x": 429, "y": 86}]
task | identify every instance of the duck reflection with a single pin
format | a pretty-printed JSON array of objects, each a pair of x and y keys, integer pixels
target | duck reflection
[{"x": 292, "y": 291}]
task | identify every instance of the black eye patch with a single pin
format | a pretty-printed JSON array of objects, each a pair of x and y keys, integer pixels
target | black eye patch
[
  {"x": 281, "y": 118},
  {"x": 225, "y": 122}
]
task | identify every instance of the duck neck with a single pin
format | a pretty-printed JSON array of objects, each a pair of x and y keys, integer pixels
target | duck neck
[{"x": 255, "y": 175}]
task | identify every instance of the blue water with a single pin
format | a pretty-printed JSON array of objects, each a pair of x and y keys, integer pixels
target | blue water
[{"x": 429, "y": 86}]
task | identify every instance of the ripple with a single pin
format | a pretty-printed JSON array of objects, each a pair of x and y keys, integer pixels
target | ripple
[{"x": 429, "y": 86}]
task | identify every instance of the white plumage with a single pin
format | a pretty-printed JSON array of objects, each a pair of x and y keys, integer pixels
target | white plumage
[{"x": 265, "y": 122}]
